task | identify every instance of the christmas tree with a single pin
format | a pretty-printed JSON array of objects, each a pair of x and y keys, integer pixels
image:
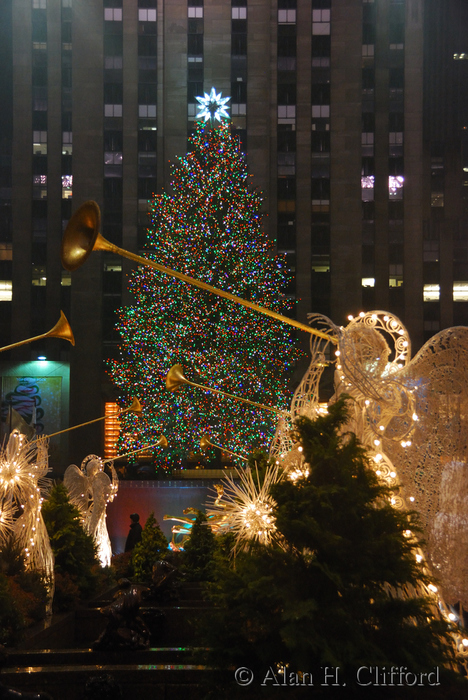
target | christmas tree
[
  {"x": 341, "y": 587},
  {"x": 210, "y": 228},
  {"x": 151, "y": 548}
]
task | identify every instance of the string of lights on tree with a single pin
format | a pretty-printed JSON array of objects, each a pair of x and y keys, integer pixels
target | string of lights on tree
[{"x": 209, "y": 228}]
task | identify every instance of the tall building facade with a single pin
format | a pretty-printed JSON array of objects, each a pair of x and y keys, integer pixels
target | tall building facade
[{"x": 353, "y": 115}]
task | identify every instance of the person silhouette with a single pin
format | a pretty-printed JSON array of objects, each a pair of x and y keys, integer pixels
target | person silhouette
[{"x": 134, "y": 536}]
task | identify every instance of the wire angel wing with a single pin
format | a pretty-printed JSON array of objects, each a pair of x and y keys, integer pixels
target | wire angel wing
[
  {"x": 77, "y": 485},
  {"x": 412, "y": 414},
  {"x": 434, "y": 467}
]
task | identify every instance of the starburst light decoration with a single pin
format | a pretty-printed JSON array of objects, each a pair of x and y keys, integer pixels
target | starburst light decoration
[
  {"x": 245, "y": 507},
  {"x": 212, "y": 106},
  {"x": 23, "y": 487}
]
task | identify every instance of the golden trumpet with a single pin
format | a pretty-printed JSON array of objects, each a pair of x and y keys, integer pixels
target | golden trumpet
[
  {"x": 60, "y": 330},
  {"x": 135, "y": 407},
  {"x": 176, "y": 377},
  {"x": 162, "y": 442},
  {"x": 205, "y": 443},
  {"x": 82, "y": 236}
]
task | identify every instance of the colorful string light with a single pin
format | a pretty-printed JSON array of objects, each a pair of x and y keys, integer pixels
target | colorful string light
[{"x": 210, "y": 228}]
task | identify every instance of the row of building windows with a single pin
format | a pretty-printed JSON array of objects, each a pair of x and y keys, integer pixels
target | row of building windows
[{"x": 287, "y": 115}]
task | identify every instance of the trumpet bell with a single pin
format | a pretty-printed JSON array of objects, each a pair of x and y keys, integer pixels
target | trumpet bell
[
  {"x": 62, "y": 329},
  {"x": 135, "y": 406},
  {"x": 162, "y": 442},
  {"x": 204, "y": 443},
  {"x": 175, "y": 378},
  {"x": 80, "y": 235}
]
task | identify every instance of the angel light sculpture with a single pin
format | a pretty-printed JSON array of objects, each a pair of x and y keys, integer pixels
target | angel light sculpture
[
  {"x": 90, "y": 489},
  {"x": 411, "y": 414},
  {"x": 23, "y": 487}
]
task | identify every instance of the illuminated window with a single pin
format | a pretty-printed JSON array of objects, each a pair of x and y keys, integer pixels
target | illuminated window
[
  {"x": 395, "y": 186},
  {"x": 6, "y": 251},
  {"x": 146, "y": 15},
  {"x": 320, "y": 22},
  {"x": 113, "y": 14},
  {"x": 6, "y": 290},
  {"x": 147, "y": 111},
  {"x": 320, "y": 111},
  {"x": 284, "y": 16},
  {"x": 67, "y": 185},
  {"x": 395, "y": 275},
  {"x": 66, "y": 279},
  {"x": 286, "y": 205},
  {"x": 460, "y": 291},
  {"x": 431, "y": 292},
  {"x": 367, "y": 188},
  {"x": 67, "y": 143},
  {"x": 40, "y": 143},
  {"x": 39, "y": 186},
  {"x": 112, "y": 110},
  {"x": 238, "y": 110},
  {"x": 368, "y": 282},
  {"x": 38, "y": 278},
  {"x": 368, "y": 50},
  {"x": 113, "y": 165},
  {"x": 286, "y": 114},
  {"x": 111, "y": 429},
  {"x": 320, "y": 205},
  {"x": 320, "y": 263},
  {"x": 239, "y": 13},
  {"x": 195, "y": 12},
  {"x": 112, "y": 266}
]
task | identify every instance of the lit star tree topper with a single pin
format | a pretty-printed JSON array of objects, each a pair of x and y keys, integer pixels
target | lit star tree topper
[
  {"x": 213, "y": 106},
  {"x": 209, "y": 228}
]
